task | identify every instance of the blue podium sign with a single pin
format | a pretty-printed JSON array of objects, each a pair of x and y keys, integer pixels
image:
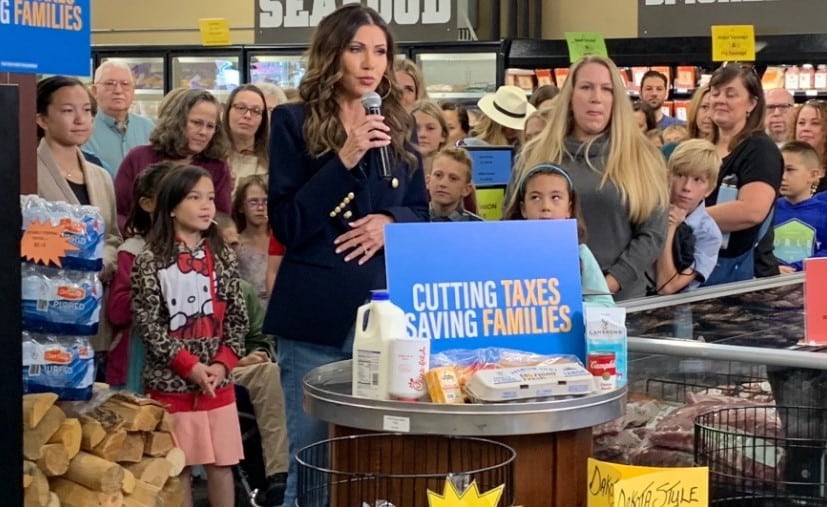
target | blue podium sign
[
  {"x": 45, "y": 37},
  {"x": 513, "y": 284}
]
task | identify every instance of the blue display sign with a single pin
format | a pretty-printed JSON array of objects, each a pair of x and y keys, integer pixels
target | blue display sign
[
  {"x": 513, "y": 284},
  {"x": 45, "y": 37},
  {"x": 492, "y": 164}
]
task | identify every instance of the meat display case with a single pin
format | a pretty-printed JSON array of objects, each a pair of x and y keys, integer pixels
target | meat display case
[{"x": 697, "y": 358}]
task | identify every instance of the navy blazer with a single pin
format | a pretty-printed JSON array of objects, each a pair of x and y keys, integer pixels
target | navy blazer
[{"x": 311, "y": 201}]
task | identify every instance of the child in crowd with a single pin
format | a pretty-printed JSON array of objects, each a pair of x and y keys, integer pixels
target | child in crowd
[
  {"x": 126, "y": 357},
  {"x": 190, "y": 312},
  {"x": 800, "y": 220},
  {"x": 545, "y": 192},
  {"x": 261, "y": 377},
  {"x": 693, "y": 168},
  {"x": 655, "y": 136},
  {"x": 674, "y": 134},
  {"x": 250, "y": 216},
  {"x": 449, "y": 184},
  {"x": 431, "y": 132}
]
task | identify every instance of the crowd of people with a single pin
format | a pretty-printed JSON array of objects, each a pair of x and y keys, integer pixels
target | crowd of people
[{"x": 242, "y": 237}]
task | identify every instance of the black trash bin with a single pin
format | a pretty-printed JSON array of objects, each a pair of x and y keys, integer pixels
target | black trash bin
[{"x": 396, "y": 470}]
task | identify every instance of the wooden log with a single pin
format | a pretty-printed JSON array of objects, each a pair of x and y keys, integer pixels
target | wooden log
[
  {"x": 92, "y": 432},
  {"x": 158, "y": 443},
  {"x": 172, "y": 494},
  {"x": 95, "y": 473},
  {"x": 136, "y": 416},
  {"x": 153, "y": 471},
  {"x": 128, "y": 483},
  {"x": 35, "y": 407},
  {"x": 111, "y": 445},
  {"x": 132, "y": 450},
  {"x": 54, "y": 500},
  {"x": 54, "y": 460},
  {"x": 28, "y": 472},
  {"x": 109, "y": 419},
  {"x": 34, "y": 439},
  {"x": 69, "y": 435},
  {"x": 178, "y": 459},
  {"x": 37, "y": 494},
  {"x": 167, "y": 423},
  {"x": 145, "y": 495},
  {"x": 72, "y": 494}
]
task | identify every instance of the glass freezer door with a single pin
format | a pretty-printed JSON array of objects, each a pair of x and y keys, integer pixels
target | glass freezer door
[
  {"x": 285, "y": 71},
  {"x": 218, "y": 74},
  {"x": 458, "y": 76},
  {"x": 149, "y": 83}
]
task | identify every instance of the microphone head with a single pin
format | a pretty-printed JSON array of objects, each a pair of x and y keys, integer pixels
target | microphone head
[{"x": 371, "y": 100}]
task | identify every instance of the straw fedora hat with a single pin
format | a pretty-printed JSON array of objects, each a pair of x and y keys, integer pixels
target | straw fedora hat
[{"x": 509, "y": 106}]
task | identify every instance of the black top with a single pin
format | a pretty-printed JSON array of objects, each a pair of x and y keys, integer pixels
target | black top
[
  {"x": 80, "y": 192},
  {"x": 757, "y": 158}
]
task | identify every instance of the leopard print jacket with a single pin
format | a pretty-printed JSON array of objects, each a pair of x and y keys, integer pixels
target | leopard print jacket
[{"x": 179, "y": 305}]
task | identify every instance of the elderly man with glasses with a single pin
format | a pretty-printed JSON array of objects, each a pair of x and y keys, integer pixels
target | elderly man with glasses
[{"x": 116, "y": 130}]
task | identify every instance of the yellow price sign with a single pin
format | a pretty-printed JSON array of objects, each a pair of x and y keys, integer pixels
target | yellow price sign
[
  {"x": 612, "y": 485},
  {"x": 733, "y": 43},
  {"x": 470, "y": 497},
  {"x": 214, "y": 31}
]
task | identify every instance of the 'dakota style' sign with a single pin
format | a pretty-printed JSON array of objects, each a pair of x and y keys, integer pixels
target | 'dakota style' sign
[
  {"x": 291, "y": 21},
  {"x": 513, "y": 284},
  {"x": 49, "y": 37}
]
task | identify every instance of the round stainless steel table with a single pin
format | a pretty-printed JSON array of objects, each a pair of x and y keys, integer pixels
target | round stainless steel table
[{"x": 553, "y": 439}]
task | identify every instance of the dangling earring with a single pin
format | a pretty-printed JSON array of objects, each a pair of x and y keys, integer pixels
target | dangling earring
[
  {"x": 390, "y": 87},
  {"x": 813, "y": 189},
  {"x": 748, "y": 113}
]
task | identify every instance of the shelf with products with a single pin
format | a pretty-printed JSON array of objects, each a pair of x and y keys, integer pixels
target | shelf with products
[{"x": 677, "y": 53}]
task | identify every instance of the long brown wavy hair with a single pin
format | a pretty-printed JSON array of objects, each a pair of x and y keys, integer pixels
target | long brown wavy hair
[
  {"x": 319, "y": 88},
  {"x": 169, "y": 137}
]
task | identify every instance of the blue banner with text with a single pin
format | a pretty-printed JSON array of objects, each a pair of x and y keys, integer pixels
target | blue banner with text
[
  {"x": 513, "y": 284},
  {"x": 45, "y": 37}
]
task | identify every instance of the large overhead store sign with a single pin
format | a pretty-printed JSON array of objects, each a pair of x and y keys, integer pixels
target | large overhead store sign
[
  {"x": 293, "y": 21},
  {"x": 681, "y": 18}
]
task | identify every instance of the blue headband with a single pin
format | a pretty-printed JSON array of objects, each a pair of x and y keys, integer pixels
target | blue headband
[{"x": 543, "y": 168}]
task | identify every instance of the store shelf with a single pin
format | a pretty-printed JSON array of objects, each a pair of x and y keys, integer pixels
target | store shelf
[{"x": 456, "y": 95}]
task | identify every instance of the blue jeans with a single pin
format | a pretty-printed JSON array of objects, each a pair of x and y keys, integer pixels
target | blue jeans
[
  {"x": 296, "y": 359},
  {"x": 733, "y": 269}
]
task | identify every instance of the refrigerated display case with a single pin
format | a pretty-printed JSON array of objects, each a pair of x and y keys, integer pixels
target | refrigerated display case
[
  {"x": 217, "y": 72},
  {"x": 459, "y": 72},
  {"x": 283, "y": 65}
]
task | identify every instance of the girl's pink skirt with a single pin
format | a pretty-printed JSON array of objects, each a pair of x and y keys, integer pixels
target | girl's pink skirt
[{"x": 210, "y": 437}]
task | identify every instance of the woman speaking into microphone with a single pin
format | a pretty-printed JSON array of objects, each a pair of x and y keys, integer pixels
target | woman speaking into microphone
[{"x": 329, "y": 202}]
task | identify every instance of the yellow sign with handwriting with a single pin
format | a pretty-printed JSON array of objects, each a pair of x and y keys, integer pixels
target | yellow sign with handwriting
[
  {"x": 612, "y": 485},
  {"x": 490, "y": 203},
  {"x": 733, "y": 43},
  {"x": 214, "y": 31}
]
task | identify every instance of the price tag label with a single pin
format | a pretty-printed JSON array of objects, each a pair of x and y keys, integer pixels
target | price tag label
[{"x": 396, "y": 424}]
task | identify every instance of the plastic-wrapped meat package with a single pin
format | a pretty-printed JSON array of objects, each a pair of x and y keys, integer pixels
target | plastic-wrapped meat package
[
  {"x": 647, "y": 455},
  {"x": 617, "y": 448},
  {"x": 677, "y": 430}
]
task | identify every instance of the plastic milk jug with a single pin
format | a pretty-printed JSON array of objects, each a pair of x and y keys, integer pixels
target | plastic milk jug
[{"x": 377, "y": 324}]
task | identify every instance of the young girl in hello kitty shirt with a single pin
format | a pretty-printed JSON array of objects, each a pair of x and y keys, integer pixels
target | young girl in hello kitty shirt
[{"x": 189, "y": 310}]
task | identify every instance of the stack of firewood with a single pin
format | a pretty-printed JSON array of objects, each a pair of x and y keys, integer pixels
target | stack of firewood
[{"x": 121, "y": 453}]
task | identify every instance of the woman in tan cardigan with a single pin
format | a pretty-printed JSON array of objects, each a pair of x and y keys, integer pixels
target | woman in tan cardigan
[{"x": 64, "y": 120}]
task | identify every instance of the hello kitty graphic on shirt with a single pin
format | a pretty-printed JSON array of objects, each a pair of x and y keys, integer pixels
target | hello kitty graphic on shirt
[{"x": 189, "y": 291}]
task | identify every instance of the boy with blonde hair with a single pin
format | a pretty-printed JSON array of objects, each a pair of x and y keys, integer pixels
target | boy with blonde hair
[
  {"x": 692, "y": 238},
  {"x": 800, "y": 220},
  {"x": 449, "y": 184}
]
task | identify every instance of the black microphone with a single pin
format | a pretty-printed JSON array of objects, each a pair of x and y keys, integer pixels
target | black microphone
[{"x": 372, "y": 103}]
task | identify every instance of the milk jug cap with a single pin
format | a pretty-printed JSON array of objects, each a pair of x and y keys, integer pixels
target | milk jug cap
[{"x": 379, "y": 295}]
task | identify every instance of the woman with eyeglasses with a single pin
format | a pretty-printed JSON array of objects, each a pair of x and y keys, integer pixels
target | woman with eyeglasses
[
  {"x": 246, "y": 121},
  {"x": 742, "y": 201},
  {"x": 189, "y": 132},
  {"x": 810, "y": 122}
]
